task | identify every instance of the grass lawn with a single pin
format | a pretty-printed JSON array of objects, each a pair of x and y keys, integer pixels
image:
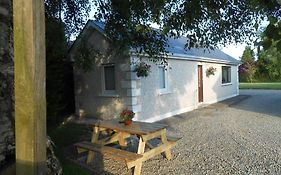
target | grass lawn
[
  {"x": 272, "y": 85},
  {"x": 66, "y": 135}
]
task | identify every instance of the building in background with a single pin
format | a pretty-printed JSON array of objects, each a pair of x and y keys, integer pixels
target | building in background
[{"x": 193, "y": 77}]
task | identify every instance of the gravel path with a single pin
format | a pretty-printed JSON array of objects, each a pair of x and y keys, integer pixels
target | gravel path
[{"x": 238, "y": 136}]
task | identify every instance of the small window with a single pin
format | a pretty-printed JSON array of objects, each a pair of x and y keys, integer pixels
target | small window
[
  {"x": 162, "y": 78},
  {"x": 109, "y": 78},
  {"x": 226, "y": 74}
]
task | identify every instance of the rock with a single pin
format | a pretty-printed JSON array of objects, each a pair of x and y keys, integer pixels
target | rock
[{"x": 53, "y": 164}]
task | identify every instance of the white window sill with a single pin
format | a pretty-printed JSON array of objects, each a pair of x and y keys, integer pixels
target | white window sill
[
  {"x": 226, "y": 84},
  {"x": 164, "y": 92}
]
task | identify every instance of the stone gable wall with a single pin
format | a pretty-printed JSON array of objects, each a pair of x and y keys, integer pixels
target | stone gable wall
[{"x": 6, "y": 81}]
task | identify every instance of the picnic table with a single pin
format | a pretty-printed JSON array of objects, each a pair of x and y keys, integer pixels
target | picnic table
[{"x": 118, "y": 133}]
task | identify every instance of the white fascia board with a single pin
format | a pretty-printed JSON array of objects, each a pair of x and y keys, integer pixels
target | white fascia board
[
  {"x": 198, "y": 58},
  {"x": 191, "y": 58}
]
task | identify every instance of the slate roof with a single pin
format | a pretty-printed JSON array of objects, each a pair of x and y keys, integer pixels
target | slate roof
[{"x": 176, "y": 49}]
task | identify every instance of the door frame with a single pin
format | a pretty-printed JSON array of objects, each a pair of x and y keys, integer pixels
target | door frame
[{"x": 200, "y": 84}]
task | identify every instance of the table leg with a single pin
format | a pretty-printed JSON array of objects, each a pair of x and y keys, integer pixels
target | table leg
[
  {"x": 164, "y": 140},
  {"x": 121, "y": 140},
  {"x": 141, "y": 147},
  {"x": 95, "y": 138}
]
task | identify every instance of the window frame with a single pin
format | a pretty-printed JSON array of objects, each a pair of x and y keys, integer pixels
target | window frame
[
  {"x": 228, "y": 80},
  {"x": 104, "y": 91},
  {"x": 165, "y": 89}
]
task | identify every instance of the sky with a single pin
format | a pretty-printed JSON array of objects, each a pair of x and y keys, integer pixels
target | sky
[{"x": 234, "y": 50}]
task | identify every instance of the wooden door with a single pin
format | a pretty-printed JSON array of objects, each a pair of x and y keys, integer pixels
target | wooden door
[{"x": 200, "y": 84}]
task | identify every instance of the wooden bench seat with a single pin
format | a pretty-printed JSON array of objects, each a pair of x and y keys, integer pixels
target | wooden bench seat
[
  {"x": 117, "y": 154},
  {"x": 173, "y": 139}
]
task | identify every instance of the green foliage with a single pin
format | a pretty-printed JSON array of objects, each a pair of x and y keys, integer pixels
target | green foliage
[
  {"x": 248, "y": 55},
  {"x": 73, "y": 13},
  {"x": 73, "y": 169},
  {"x": 262, "y": 85},
  {"x": 211, "y": 71},
  {"x": 63, "y": 19},
  {"x": 248, "y": 68},
  {"x": 142, "y": 69},
  {"x": 271, "y": 36},
  {"x": 269, "y": 63},
  {"x": 59, "y": 81},
  {"x": 86, "y": 56},
  {"x": 206, "y": 23},
  {"x": 66, "y": 135}
]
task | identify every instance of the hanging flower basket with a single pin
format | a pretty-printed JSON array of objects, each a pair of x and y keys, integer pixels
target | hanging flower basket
[
  {"x": 142, "y": 69},
  {"x": 210, "y": 71}
]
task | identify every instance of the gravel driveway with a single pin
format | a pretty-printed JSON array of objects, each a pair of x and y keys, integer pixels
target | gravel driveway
[{"x": 238, "y": 136}]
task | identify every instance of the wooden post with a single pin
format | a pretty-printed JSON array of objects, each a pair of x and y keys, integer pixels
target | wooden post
[{"x": 30, "y": 95}]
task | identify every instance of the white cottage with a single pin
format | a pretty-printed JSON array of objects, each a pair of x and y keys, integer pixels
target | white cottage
[{"x": 112, "y": 84}]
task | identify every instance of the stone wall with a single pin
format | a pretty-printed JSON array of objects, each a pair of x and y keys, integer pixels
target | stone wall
[{"x": 6, "y": 81}]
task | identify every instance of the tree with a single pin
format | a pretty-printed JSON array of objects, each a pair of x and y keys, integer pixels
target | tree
[
  {"x": 248, "y": 67},
  {"x": 248, "y": 55},
  {"x": 271, "y": 37},
  {"x": 269, "y": 63},
  {"x": 63, "y": 18},
  {"x": 72, "y": 13},
  {"x": 206, "y": 23}
]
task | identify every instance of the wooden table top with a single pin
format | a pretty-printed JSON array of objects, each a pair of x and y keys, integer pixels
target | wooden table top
[{"x": 138, "y": 128}]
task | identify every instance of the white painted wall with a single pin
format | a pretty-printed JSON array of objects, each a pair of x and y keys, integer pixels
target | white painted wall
[
  {"x": 182, "y": 93},
  {"x": 214, "y": 90},
  {"x": 181, "y": 96}
]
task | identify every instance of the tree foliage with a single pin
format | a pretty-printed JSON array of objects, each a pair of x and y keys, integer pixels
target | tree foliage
[
  {"x": 72, "y": 13},
  {"x": 248, "y": 55},
  {"x": 63, "y": 18},
  {"x": 271, "y": 37},
  {"x": 206, "y": 23},
  {"x": 86, "y": 56},
  {"x": 269, "y": 64},
  {"x": 248, "y": 67}
]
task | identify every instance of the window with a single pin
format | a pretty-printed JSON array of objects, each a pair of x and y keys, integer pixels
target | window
[
  {"x": 226, "y": 74},
  {"x": 109, "y": 79},
  {"x": 163, "y": 80}
]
